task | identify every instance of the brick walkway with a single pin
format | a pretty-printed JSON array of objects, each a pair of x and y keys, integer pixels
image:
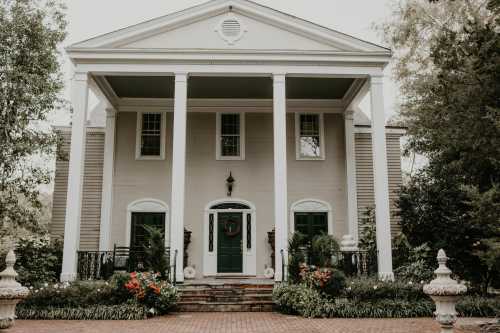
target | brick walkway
[{"x": 233, "y": 322}]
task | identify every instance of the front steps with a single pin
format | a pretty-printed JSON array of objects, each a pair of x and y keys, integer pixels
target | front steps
[{"x": 226, "y": 296}]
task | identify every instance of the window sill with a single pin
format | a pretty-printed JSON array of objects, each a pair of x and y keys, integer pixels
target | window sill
[
  {"x": 149, "y": 158},
  {"x": 230, "y": 158},
  {"x": 310, "y": 158}
]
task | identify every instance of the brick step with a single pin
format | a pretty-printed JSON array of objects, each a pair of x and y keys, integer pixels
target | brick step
[
  {"x": 225, "y": 298},
  {"x": 225, "y": 306}
]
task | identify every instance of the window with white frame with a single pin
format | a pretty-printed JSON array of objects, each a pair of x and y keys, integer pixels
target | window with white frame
[
  {"x": 150, "y": 136},
  {"x": 309, "y": 136},
  {"x": 230, "y": 136}
]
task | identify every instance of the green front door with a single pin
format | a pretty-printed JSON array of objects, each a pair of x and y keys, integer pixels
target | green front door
[{"x": 229, "y": 243}]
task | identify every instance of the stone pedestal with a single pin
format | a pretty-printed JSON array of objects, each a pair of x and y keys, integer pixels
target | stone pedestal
[
  {"x": 445, "y": 292},
  {"x": 11, "y": 292}
]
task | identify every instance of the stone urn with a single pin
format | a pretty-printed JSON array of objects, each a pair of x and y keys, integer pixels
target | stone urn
[
  {"x": 11, "y": 292},
  {"x": 445, "y": 292}
]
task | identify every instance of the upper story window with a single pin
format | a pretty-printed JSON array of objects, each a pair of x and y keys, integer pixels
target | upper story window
[
  {"x": 150, "y": 136},
  {"x": 230, "y": 136},
  {"x": 309, "y": 136}
]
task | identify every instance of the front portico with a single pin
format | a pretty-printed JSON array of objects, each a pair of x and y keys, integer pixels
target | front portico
[{"x": 189, "y": 68}]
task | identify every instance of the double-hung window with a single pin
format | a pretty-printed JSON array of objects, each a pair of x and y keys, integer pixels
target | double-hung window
[
  {"x": 230, "y": 136},
  {"x": 150, "y": 136},
  {"x": 309, "y": 136}
]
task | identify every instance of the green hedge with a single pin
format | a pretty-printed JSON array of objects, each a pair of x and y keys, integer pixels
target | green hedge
[
  {"x": 126, "y": 311},
  {"x": 371, "y": 289},
  {"x": 361, "y": 301},
  {"x": 75, "y": 295},
  {"x": 478, "y": 306}
]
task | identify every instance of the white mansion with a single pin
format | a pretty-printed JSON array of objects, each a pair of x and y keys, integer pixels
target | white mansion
[{"x": 228, "y": 120}]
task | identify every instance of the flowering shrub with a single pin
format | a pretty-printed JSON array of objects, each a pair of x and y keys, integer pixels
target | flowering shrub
[
  {"x": 327, "y": 280},
  {"x": 157, "y": 295},
  {"x": 111, "y": 299},
  {"x": 371, "y": 289}
]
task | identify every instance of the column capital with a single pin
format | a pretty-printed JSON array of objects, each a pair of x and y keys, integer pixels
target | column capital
[
  {"x": 80, "y": 76},
  {"x": 181, "y": 76},
  {"x": 110, "y": 112},
  {"x": 279, "y": 78},
  {"x": 349, "y": 115},
  {"x": 377, "y": 79}
]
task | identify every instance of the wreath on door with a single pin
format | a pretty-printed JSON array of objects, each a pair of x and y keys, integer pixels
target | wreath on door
[{"x": 232, "y": 227}]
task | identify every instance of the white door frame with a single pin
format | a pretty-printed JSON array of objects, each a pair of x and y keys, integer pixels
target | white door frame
[{"x": 249, "y": 255}]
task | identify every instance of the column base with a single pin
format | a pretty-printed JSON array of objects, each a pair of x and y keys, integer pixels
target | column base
[
  {"x": 68, "y": 277},
  {"x": 179, "y": 278},
  {"x": 386, "y": 276},
  {"x": 348, "y": 244}
]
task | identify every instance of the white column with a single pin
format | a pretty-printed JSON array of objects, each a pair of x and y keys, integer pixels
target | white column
[
  {"x": 350, "y": 241},
  {"x": 280, "y": 174},
  {"x": 381, "y": 179},
  {"x": 107, "y": 181},
  {"x": 178, "y": 174},
  {"x": 79, "y": 94}
]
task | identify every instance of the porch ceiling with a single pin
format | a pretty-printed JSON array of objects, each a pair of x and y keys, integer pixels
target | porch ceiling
[{"x": 228, "y": 87}]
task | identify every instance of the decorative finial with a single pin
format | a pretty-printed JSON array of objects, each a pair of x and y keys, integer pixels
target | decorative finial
[
  {"x": 445, "y": 292},
  {"x": 8, "y": 275},
  {"x": 11, "y": 292}
]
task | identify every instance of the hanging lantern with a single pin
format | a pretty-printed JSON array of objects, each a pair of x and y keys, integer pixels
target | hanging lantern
[{"x": 229, "y": 184}]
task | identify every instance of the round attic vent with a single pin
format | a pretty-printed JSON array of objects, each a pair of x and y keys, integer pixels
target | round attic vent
[{"x": 231, "y": 28}]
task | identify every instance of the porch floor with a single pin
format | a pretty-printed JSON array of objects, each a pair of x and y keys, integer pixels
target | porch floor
[{"x": 220, "y": 281}]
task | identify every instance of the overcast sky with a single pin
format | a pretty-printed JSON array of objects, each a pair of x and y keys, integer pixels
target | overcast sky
[{"x": 90, "y": 18}]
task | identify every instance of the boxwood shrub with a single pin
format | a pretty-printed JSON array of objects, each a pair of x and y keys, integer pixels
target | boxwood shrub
[
  {"x": 369, "y": 298},
  {"x": 125, "y": 311}
]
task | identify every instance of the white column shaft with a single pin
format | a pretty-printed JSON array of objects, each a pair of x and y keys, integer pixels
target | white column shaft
[
  {"x": 79, "y": 100},
  {"x": 107, "y": 181},
  {"x": 280, "y": 173},
  {"x": 178, "y": 174},
  {"x": 352, "y": 200},
  {"x": 381, "y": 180}
]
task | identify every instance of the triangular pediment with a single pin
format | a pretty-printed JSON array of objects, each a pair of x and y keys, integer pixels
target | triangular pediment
[{"x": 229, "y": 25}]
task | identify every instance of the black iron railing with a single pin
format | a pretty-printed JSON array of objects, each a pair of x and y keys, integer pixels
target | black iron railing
[
  {"x": 355, "y": 263},
  {"x": 173, "y": 269},
  {"x": 95, "y": 265},
  {"x": 352, "y": 263},
  {"x": 100, "y": 265}
]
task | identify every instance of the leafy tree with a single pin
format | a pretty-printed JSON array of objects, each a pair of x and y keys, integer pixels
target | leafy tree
[
  {"x": 30, "y": 85},
  {"x": 448, "y": 66}
]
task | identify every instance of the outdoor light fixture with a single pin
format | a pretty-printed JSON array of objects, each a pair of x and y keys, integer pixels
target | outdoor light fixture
[{"x": 229, "y": 184}]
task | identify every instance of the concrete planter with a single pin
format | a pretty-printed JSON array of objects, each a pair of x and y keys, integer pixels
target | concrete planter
[{"x": 11, "y": 292}]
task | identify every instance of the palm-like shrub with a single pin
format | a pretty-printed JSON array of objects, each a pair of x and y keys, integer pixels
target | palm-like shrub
[
  {"x": 323, "y": 248},
  {"x": 155, "y": 252}
]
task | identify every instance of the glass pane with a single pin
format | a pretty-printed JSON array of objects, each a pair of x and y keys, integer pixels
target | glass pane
[
  {"x": 310, "y": 146},
  {"x": 151, "y": 134},
  {"x": 150, "y": 145},
  {"x": 309, "y": 124},
  {"x": 230, "y": 145},
  {"x": 319, "y": 223},
  {"x": 139, "y": 235},
  {"x": 230, "y": 124}
]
